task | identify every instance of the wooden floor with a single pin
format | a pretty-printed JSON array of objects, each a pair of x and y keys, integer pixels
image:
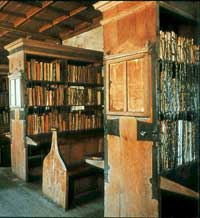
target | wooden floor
[{"x": 18, "y": 199}]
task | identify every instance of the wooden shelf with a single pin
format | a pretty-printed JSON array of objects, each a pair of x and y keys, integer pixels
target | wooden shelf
[
  {"x": 64, "y": 107},
  {"x": 72, "y": 132},
  {"x": 95, "y": 163},
  {"x": 45, "y": 83},
  {"x": 168, "y": 185},
  {"x": 84, "y": 84},
  {"x": 177, "y": 10}
]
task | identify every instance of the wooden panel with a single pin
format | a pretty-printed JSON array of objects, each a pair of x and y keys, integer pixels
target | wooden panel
[
  {"x": 136, "y": 171},
  {"x": 117, "y": 80},
  {"x": 16, "y": 62},
  {"x": 138, "y": 85},
  {"x": 74, "y": 150},
  {"x": 128, "y": 83},
  {"x": 137, "y": 19},
  {"x": 55, "y": 179},
  {"x": 18, "y": 150},
  {"x": 112, "y": 188}
]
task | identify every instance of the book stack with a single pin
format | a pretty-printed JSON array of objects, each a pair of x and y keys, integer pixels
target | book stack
[
  {"x": 179, "y": 99},
  {"x": 178, "y": 48},
  {"x": 46, "y": 96},
  {"x": 63, "y": 121},
  {"x": 43, "y": 71},
  {"x": 84, "y": 74},
  {"x": 79, "y": 95}
]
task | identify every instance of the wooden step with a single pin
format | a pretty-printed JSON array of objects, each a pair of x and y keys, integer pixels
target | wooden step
[{"x": 171, "y": 186}]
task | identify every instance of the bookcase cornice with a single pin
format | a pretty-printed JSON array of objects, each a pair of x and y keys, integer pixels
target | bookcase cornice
[{"x": 40, "y": 48}]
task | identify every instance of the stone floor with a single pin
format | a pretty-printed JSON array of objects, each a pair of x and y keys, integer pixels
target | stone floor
[{"x": 20, "y": 199}]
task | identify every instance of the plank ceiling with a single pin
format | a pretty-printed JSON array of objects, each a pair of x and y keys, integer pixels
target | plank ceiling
[{"x": 45, "y": 20}]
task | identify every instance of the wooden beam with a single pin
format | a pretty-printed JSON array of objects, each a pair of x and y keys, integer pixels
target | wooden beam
[
  {"x": 83, "y": 18},
  {"x": 13, "y": 13},
  {"x": 168, "y": 185},
  {"x": 29, "y": 15},
  {"x": 58, "y": 10},
  {"x": 83, "y": 27},
  {"x": 62, "y": 18},
  {"x": 71, "y": 28},
  {"x": 33, "y": 4},
  {"x": 33, "y": 12},
  {"x": 21, "y": 15},
  {"x": 3, "y": 4},
  {"x": 28, "y": 34}
]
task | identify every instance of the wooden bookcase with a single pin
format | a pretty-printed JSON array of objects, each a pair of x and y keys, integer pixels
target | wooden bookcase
[
  {"x": 4, "y": 117},
  {"x": 133, "y": 100},
  {"x": 62, "y": 88}
]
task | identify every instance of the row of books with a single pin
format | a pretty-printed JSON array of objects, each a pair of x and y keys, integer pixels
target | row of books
[
  {"x": 4, "y": 117},
  {"x": 4, "y": 100},
  {"x": 178, "y": 48},
  {"x": 3, "y": 84},
  {"x": 47, "y": 71},
  {"x": 84, "y": 74},
  {"x": 178, "y": 88},
  {"x": 43, "y": 96},
  {"x": 83, "y": 96},
  {"x": 178, "y": 143},
  {"x": 69, "y": 121},
  {"x": 56, "y": 71}
]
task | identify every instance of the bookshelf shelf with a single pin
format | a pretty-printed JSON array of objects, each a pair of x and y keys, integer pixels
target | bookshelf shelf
[
  {"x": 47, "y": 83},
  {"x": 72, "y": 132},
  {"x": 64, "y": 107}
]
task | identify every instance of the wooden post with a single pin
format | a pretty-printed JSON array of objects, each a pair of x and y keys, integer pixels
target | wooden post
[
  {"x": 19, "y": 150},
  {"x": 129, "y": 28}
]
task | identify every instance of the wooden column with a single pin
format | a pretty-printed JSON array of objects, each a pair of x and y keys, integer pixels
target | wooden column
[
  {"x": 19, "y": 162},
  {"x": 129, "y": 32}
]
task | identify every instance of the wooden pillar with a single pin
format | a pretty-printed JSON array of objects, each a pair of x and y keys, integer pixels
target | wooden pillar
[
  {"x": 19, "y": 162},
  {"x": 130, "y": 29}
]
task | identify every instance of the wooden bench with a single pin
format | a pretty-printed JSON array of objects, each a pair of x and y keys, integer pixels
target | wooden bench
[{"x": 68, "y": 183}]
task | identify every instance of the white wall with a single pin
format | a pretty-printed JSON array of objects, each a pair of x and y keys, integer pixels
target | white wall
[{"x": 92, "y": 39}]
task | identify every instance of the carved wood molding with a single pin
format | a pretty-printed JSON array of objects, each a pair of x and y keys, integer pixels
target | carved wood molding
[{"x": 103, "y": 6}]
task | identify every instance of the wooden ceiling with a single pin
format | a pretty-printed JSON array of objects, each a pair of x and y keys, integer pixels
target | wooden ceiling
[{"x": 46, "y": 20}]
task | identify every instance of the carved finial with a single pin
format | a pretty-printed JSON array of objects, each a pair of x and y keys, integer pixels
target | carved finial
[{"x": 54, "y": 143}]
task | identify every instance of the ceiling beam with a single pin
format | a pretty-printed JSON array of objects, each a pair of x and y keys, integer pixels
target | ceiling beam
[
  {"x": 21, "y": 15},
  {"x": 70, "y": 28},
  {"x": 36, "y": 4},
  {"x": 83, "y": 27},
  {"x": 58, "y": 10},
  {"x": 32, "y": 12},
  {"x": 83, "y": 18},
  {"x": 13, "y": 13},
  {"x": 26, "y": 33},
  {"x": 3, "y": 4},
  {"x": 62, "y": 18}
]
